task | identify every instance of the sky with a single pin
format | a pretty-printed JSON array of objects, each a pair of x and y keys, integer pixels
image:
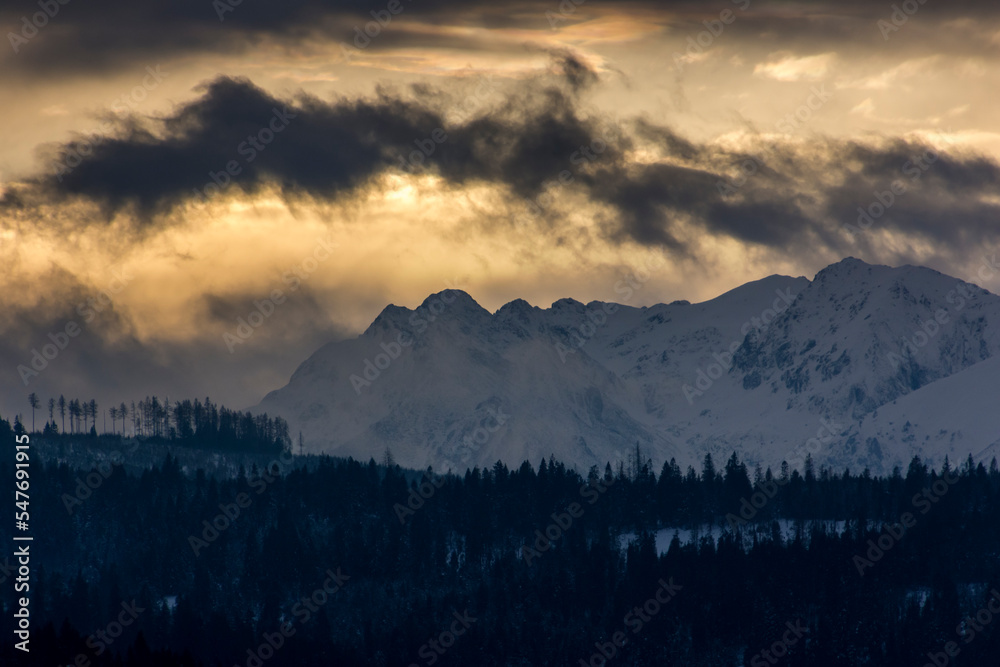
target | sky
[{"x": 196, "y": 194}]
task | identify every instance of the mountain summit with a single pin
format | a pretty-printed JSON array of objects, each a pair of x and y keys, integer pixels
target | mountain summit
[{"x": 863, "y": 366}]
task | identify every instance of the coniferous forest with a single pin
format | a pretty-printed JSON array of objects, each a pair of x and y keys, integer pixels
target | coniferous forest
[{"x": 301, "y": 560}]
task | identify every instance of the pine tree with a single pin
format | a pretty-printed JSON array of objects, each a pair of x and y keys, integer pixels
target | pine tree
[
  {"x": 73, "y": 412},
  {"x": 33, "y": 402}
]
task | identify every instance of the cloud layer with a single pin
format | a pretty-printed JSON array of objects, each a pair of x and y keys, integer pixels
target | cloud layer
[
  {"x": 540, "y": 144},
  {"x": 446, "y": 146}
]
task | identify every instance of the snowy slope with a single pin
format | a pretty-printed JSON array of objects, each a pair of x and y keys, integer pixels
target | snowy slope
[
  {"x": 465, "y": 388},
  {"x": 955, "y": 416},
  {"x": 773, "y": 369}
]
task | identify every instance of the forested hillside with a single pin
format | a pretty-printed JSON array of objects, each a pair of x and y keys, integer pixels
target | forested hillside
[{"x": 319, "y": 561}]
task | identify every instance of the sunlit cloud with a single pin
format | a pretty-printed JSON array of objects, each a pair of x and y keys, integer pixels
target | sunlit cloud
[
  {"x": 897, "y": 76},
  {"x": 785, "y": 66},
  {"x": 865, "y": 108}
]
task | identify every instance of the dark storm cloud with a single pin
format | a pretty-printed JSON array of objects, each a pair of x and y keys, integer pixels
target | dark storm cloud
[
  {"x": 945, "y": 198},
  {"x": 780, "y": 195},
  {"x": 792, "y": 197},
  {"x": 105, "y": 34},
  {"x": 578, "y": 74},
  {"x": 673, "y": 143},
  {"x": 238, "y": 133},
  {"x": 238, "y": 136},
  {"x": 649, "y": 198}
]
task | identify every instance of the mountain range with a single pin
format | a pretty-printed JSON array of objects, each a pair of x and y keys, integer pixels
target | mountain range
[{"x": 864, "y": 366}]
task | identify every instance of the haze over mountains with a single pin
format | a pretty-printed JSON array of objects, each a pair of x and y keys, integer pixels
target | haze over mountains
[{"x": 863, "y": 366}]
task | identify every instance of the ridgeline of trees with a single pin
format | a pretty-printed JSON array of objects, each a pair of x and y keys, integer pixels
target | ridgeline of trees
[
  {"x": 219, "y": 564},
  {"x": 205, "y": 425}
]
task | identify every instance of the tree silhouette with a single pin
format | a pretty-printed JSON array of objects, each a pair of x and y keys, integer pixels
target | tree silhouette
[
  {"x": 74, "y": 415},
  {"x": 62, "y": 411},
  {"x": 33, "y": 402}
]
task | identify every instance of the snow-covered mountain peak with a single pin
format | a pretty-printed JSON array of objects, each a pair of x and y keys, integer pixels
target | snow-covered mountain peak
[
  {"x": 450, "y": 305},
  {"x": 567, "y": 304},
  {"x": 455, "y": 301},
  {"x": 517, "y": 306},
  {"x": 759, "y": 369}
]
